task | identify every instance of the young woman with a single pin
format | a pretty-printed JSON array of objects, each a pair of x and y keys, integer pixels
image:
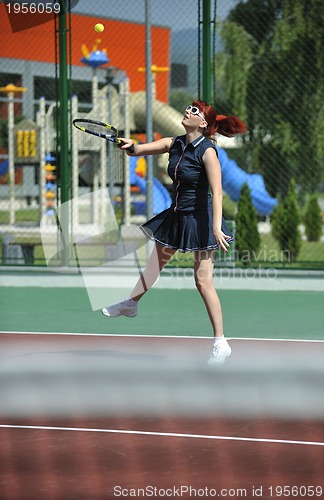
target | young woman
[{"x": 194, "y": 221}]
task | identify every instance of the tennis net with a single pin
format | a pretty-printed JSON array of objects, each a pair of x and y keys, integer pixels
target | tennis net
[{"x": 147, "y": 426}]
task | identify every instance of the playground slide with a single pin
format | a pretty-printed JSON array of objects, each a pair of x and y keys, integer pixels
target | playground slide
[
  {"x": 4, "y": 165},
  {"x": 167, "y": 121},
  {"x": 161, "y": 197},
  {"x": 233, "y": 178}
]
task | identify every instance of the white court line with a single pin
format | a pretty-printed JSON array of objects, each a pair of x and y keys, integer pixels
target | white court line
[
  {"x": 162, "y": 434},
  {"x": 126, "y": 335}
]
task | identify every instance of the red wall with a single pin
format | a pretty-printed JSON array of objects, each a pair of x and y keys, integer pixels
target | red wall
[{"x": 124, "y": 42}]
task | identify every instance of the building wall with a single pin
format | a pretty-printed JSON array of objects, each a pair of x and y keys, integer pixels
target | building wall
[{"x": 124, "y": 42}]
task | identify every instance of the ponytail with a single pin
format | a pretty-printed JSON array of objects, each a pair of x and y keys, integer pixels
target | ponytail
[{"x": 229, "y": 126}]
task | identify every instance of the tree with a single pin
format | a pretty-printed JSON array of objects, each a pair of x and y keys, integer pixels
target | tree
[
  {"x": 264, "y": 16},
  {"x": 278, "y": 87},
  {"x": 285, "y": 224},
  {"x": 247, "y": 236},
  {"x": 179, "y": 100},
  {"x": 277, "y": 220},
  {"x": 313, "y": 219},
  {"x": 234, "y": 65}
]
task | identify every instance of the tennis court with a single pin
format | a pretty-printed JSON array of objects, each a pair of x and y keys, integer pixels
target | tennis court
[
  {"x": 94, "y": 408},
  {"x": 275, "y": 314},
  {"x": 248, "y": 429}
]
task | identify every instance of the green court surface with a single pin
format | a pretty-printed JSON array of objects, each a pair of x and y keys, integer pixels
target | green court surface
[{"x": 247, "y": 314}]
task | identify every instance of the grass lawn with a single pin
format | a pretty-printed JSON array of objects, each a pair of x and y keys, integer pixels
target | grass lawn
[{"x": 311, "y": 255}]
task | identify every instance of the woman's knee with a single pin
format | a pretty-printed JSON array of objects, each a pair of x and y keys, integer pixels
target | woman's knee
[{"x": 203, "y": 282}]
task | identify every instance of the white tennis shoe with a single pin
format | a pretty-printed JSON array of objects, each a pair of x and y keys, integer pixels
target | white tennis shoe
[
  {"x": 127, "y": 308},
  {"x": 221, "y": 350}
]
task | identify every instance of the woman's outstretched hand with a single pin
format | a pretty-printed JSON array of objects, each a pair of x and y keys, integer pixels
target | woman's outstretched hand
[
  {"x": 221, "y": 239},
  {"x": 127, "y": 145}
]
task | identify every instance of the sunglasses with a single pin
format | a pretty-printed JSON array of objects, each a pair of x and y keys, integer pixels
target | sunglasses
[{"x": 195, "y": 111}]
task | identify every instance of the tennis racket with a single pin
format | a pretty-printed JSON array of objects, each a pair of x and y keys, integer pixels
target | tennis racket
[{"x": 100, "y": 129}]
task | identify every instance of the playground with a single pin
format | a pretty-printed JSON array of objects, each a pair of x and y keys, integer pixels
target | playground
[
  {"x": 34, "y": 186},
  {"x": 89, "y": 165}
]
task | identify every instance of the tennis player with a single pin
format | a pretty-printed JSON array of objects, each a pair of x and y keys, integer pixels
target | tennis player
[{"x": 194, "y": 221}]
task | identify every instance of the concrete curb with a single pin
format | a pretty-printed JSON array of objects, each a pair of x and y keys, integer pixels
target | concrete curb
[{"x": 171, "y": 278}]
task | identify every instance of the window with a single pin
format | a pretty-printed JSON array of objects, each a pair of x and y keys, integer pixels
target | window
[{"x": 179, "y": 75}]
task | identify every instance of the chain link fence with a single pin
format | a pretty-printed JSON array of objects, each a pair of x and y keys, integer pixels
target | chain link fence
[{"x": 267, "y": 67}]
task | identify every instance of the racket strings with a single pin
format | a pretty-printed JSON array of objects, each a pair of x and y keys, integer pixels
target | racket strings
[{"x": 99, "y": 129}]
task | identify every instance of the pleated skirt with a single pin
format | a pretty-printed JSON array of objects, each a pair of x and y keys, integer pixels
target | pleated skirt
[{"x": 184, "y": 231}]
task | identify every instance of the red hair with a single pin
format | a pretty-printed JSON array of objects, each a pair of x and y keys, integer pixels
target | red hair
[{"x": 229, "y": 126}]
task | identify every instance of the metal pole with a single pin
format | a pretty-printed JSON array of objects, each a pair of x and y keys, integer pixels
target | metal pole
[
  {"x": 95, "y": 97},
  {"x": 110, "y": 145},
  {"x": 64, "y": 130},
  {"x": 124, "y": 93},
  {"x": 11, "y": 166},
  {"x": 206, "y": 52},
  {"x": 75, "y": 167},
  {"x": 149, "y": 120},
  {"x": 96, "y": 202},
  {"x": 42, "y": 154},
  {"x": 103, "y": 165}
]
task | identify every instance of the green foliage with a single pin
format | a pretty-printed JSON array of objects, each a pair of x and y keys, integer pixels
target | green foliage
[
  {"x": 285, "y": 222},
  {"x": 263, "y": 14},
  {"x": 313, "y": 219},
  {"x": 4, "y": 133},
  {"x": 292, "y": 237},
  {"x": 4, "y": 130},
  {"x": 272, "y": 72},
  {"x": 235, "y": 65},
  {"x": 179, "y": 100},
  {"x": 229, "y": 207},
  {"x": 277, "y": 220},
  {"x": 247, "y": 235}
]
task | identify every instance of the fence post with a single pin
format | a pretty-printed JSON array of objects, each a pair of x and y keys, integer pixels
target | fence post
[
  {"x": 64, "y": 132},
  {"x": 206, "y": 52}
]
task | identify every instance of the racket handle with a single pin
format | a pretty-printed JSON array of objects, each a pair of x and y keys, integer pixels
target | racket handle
[{"x": 131, "y": 149}]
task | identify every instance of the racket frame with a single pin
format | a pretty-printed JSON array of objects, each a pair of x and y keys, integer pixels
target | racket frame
[{"x": 112, "y": 136}]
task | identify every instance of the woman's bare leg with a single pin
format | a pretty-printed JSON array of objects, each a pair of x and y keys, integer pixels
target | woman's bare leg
[
  {"x": 203, "y": 269},
  {"x": 159, "y": 257},
  {"x": 204, "y": 282}
]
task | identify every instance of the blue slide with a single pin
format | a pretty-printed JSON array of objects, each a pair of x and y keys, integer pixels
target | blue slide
[
  {"x": 233, "y": 178},
  {"x": 4, "y": 165},
  {"x": 161, "y": 197}
]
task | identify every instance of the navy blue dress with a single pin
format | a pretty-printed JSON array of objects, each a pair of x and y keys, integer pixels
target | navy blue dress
[{"x": 187, "y": 224}]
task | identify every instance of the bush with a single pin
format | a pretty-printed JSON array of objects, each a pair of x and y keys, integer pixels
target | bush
[
  {"x": 285, "y": 224},
  {"x": 277, "y": 219},
  {"x": 247, "y": 234},
  {"x": 313, "y": 219}
]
